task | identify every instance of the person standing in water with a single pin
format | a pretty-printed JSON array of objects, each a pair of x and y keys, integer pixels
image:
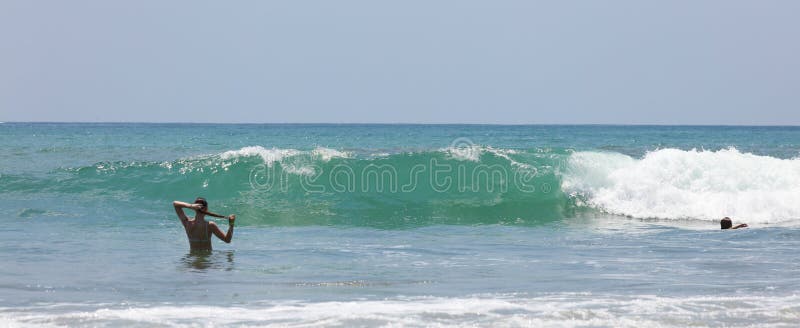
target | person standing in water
[
  {"x": 727, "y": 223},
  {"x": 198, "y": 230}
]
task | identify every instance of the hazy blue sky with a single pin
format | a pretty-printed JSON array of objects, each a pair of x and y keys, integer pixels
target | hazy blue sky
[{"x": 663, "y": 62}]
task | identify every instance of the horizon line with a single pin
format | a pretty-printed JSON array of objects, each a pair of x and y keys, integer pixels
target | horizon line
[{"x": 402, "y": 123}]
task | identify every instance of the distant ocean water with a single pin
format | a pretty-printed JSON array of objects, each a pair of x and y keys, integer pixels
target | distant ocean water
[{"x": 368, "y": 225}]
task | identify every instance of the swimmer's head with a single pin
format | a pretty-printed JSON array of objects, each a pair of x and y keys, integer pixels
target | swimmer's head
[
  {"x": 726, "y": 223},
  {"x": 202, "y": 201}
]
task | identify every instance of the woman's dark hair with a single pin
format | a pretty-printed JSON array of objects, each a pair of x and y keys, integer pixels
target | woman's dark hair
[
  {"x": 726, "y": 223},
  {"x": 201, "y": 201}
]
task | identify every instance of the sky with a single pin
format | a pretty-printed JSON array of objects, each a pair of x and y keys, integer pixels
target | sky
[{"x": 486, "y": 62}]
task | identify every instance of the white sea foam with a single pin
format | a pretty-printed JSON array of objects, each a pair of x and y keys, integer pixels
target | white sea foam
[
  {"x": 293, "y": 161},
  {"x": 380, "y": 155},
  {"x": 695, "y": 184},
  {"x": 326, "y": 154},
  {"x": 470, "y": 153},
  {"x": 270, "y": 156},
  {"x": 473, "y": 153},
  {"x": 504, "y": 153},
  {"x": 559, "y": 310},
  {"x": 273, "y": 155}
]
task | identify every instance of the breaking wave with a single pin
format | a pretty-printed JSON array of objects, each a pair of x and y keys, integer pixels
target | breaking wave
[
  {"x": 693, "y": 184},
  {"x": 557, "y": 310},
  {"x": 456, "y": 185}
]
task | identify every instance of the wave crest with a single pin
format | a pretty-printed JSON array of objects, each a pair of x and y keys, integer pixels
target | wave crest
[
  {"x": 487, "y": 185},
  {"x": 687, "y": 184},
  {"x": 270, "y": 156}
]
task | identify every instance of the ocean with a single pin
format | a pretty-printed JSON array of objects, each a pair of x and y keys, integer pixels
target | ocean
[{"x": 362, "y": 225}]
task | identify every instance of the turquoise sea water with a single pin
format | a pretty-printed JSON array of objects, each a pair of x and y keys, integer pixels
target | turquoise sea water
[{"x": 370, "y": 225}]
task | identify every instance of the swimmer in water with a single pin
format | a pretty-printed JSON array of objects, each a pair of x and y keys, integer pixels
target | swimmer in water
[
  {"x": 198, "y": 229},
  {"x": 727, "y": 223}
]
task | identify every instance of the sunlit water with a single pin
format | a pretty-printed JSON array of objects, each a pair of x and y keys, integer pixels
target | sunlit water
[{"x": 89, "y": 237}]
